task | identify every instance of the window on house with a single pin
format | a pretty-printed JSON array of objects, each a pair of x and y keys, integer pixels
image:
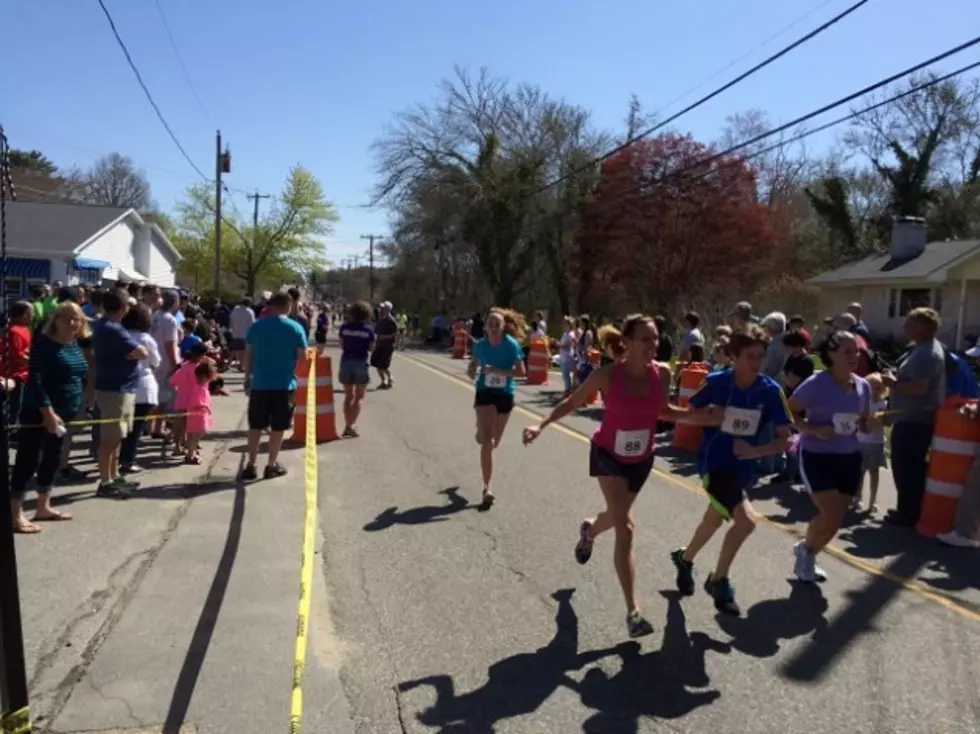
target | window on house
[
  {"x": 903, "y": 300},
  {"x": 11, "y": 287}
]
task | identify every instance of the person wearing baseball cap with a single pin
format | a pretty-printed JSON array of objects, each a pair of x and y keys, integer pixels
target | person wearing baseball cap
[
  {"x": 742, "y": 316},
  {"x": 386, "y": 331}
]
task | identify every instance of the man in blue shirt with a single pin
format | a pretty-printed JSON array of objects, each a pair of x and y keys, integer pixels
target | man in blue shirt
[
  {"x": 728, "y": 456},
  {"x": 116, "y": 364},
  {"x": 273, "y": 346}
]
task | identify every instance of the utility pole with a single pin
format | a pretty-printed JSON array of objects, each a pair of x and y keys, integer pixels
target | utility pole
[
  {"x": 222, "y": 164},
  {"x": 14, "y": 714},
  {"x": 371, "y": 238},
  {"x": 255, "y": 215}
]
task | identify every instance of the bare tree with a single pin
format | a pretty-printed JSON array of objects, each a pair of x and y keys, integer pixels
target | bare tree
[{"x": 114, "y": 180}]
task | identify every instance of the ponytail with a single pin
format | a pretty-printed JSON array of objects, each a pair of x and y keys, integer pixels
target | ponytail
[{"x": 611, "y": 341}]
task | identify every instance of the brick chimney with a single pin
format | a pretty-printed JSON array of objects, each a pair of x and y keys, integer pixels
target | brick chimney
[{"x": 908, "y": 238}]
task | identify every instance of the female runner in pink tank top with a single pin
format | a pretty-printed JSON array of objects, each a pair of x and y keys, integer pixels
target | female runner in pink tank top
[{"x": 635, "y": 388}]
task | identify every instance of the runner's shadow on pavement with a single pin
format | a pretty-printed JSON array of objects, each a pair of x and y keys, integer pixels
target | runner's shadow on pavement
[
  {"x": 516, "y": 686},
  {"x": 771, "y": 621},
  {"x": 421, "y": 515},
  {"x": 655, "y": 684}
]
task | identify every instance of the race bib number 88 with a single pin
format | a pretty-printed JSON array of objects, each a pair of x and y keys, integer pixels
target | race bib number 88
[
  {"x": 630, "y": 444},
  {"x": 741, "y": 421}
]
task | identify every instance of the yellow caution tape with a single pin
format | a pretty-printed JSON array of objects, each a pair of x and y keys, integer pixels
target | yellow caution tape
[
  {"x": 103, "y": 421},
  {"x": 18, "y": 722},
  {"x": 306, "y": 567}
]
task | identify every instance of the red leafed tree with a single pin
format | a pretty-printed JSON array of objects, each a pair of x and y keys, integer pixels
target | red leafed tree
[{"x": 665, "y": 229}]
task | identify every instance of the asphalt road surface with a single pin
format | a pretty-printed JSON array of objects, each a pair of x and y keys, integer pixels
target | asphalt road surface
[{"x": 449, "y": 619}]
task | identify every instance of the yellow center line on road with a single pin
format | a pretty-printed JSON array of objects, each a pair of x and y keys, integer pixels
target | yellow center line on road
[{"x": 910, "y": 584}]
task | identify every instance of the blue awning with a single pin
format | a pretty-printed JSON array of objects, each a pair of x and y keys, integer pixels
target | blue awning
[
  {"x": 91, "y": 263},
  {"x": 25, "y": 267}
]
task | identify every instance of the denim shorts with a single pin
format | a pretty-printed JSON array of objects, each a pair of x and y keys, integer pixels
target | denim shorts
[{"x": 354, "y": 372}]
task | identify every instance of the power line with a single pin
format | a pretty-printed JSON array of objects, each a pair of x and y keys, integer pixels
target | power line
[
  {"x": 858, "y": 113},
  {"x": 708, "y": 97},
  {"x": 146, "y": 91},
  {"x": 809, "y": 116},
  {"x": 741, "y": 58},
  {"x": 180, "y": 60}
]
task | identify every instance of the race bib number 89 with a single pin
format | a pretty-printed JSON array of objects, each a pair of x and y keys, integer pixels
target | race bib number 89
[
  {"x": 495, "y": 381},
  {"x": 741, "y": 421}
]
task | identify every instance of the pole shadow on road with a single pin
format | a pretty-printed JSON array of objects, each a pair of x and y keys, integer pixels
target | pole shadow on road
[
  {"x": 956, "y": 569},
  {"x": 190, "y": 671},
  {"x": 828, "y": 644},
  {"x": 654, "y": 684},
  {"x": 423, "y": 515}
]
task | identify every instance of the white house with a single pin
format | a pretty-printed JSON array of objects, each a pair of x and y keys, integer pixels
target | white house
[
  {"x": 944, "y": 275},
  {"x": 81, "y": 243}
]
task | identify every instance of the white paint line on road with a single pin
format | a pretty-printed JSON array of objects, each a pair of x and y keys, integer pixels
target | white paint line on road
[{"x": 910, "y": 584}]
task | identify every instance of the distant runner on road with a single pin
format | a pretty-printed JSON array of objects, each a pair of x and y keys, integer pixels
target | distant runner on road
[{"x": 497, "y": 359}]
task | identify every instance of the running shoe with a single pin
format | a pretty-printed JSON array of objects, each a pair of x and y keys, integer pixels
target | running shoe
[
  {"x": 583, "y": 549},
  {"x": 127, "y": 484},
  {"x": 805, "y": 567},
  {"x": 685, "y": 572},
  {"x": 488, "y": 498},
  {"x": 249, "y": 473},
  {"x": 801, "y": 564},
  {"x": 637, "y": 625},
  {"x": 113, "y": 491},
  {"x": 273, "y": 471},
  {"x": 722, "y": 591}
]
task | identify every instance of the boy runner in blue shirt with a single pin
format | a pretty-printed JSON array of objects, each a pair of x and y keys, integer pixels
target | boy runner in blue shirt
[{"x": 727, "y": 459}]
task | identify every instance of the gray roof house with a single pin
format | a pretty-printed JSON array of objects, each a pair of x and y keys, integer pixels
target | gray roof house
[
  {"x": 81, "y": 243},
  {"x": 944, "y": 275}
]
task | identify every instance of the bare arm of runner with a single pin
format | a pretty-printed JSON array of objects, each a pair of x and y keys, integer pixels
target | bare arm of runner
[
  {"x": 710, "y": 415},
  {"x": 801, "y": 424},
  {"x": 581, "y": 396},
  {"x": 745, "y": 450}
]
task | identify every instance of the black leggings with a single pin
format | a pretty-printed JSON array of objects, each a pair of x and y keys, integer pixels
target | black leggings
[{"x": 38, "y": 452}]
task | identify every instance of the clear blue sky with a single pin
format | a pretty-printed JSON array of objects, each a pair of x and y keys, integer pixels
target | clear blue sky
[{"x": 315, "y": 82}]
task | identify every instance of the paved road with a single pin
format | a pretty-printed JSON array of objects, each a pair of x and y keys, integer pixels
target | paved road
[{"x": 453, "y": 620}]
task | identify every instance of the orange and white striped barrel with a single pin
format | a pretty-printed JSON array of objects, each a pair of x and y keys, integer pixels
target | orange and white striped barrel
[
  {"x": 688, "y": 437},
  {"x": 955, "y": 446},
  {"x": 461, "y": 340},
  {"x": 326, "y": 423},
  {"x": 538, "y": 362}
]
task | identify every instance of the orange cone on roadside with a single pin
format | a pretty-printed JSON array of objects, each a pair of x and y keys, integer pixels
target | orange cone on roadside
[{"x": 955, "y": 446}]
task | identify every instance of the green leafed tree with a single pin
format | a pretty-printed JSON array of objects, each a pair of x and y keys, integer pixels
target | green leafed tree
[
  {"x": 288, "y": 239},
  {"x": 32, "y": 160}
]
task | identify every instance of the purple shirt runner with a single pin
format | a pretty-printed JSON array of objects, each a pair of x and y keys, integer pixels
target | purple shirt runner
[
  {"x": 356, "y": 339},
  {"x": 827, "y": 403}
]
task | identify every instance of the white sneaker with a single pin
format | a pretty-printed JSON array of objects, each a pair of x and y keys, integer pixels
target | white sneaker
[
  {"x": 801, "y": 566},
  {"x": 958, "y": 541}
]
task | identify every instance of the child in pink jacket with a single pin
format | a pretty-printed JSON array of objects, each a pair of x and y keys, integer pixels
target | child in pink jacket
[{"x": 192, "y": 382}]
